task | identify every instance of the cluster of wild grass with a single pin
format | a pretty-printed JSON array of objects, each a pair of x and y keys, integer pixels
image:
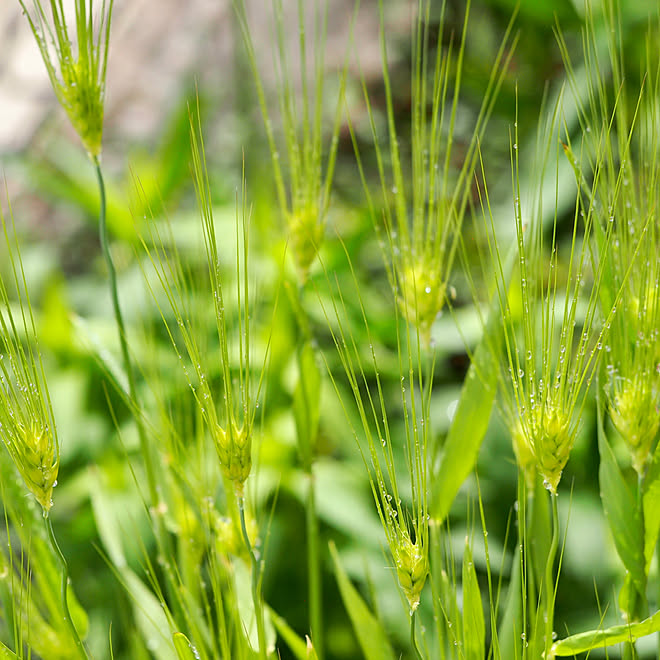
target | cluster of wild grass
[{"x": 565, "y": 301}]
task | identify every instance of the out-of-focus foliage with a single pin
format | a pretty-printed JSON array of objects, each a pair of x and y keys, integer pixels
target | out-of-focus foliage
[{"x": 116, "y": 564}]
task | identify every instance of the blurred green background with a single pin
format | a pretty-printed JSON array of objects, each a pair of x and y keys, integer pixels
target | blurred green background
[{"x": 156, "y": 68}]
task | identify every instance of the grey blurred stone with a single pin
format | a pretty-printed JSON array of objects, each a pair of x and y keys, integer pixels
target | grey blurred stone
[{"x": 159, "y": 45}]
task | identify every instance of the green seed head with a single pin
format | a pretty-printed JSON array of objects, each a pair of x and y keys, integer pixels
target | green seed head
[
  {"x": 306, "y": 235},
  {"x": 422, "y": 295},
  {"x": 35, "y": 454},
  {"x": 552, "y": 440},
  {"x": 635, "y": 415},
  {"x": 82, "y": 97},
  {"x": 76, "y": 67},
  {"x": 234, "y": 448},
  {"x": 412, "y": 567}
]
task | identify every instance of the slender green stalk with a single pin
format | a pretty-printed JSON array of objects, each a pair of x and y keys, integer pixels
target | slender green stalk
[
  {"x": 413, "y": 640},
  {"x": 256, "y": 581},
  {"x": 640, "y": 610},
  {"x": 306, "y": 413},
  {"x": 121, "y": 328},
  {"x": 314, "y": 567},
  {"x": 65, "y": 582},
  {"x": 630, "y": 651},
  {"x": 549, "y": 586},
  {"x": 162, "y": 537}
]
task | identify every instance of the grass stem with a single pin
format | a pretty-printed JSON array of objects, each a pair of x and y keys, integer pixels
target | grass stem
[
  {"x": 128, "y": 368},
  {"x": 314, "y": 568},
  {"x": 549, "y": 586},
  {"x": 256, "y": 581},
  {"x": 65, "y": 583},
  {"x": 413, "y": 640},
  {"x": 630, "y": 651}
]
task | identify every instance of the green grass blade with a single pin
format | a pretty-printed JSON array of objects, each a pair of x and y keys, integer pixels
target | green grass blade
[
  {"x": 5, "y": 653},
  {"x": 370, "y": 633},
  {"x": 150, "y": 615},
  {"x": 468, "y": 428},
  {"x": 511, "y": 625},
  {"x": 474, "y": 627},
  {"x": 621, "y": 510},
  {"x": 473, "y": 412},
  {"x": 298, "y": 647},
  {"x": 594, "y": 639},
  {"x": 184, "y": 649},
  {"x": 306, "y": 401},
  {"x": 650, "y": 499}
]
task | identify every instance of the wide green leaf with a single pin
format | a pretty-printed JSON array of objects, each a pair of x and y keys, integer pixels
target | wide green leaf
[
  {"x": 511, "y": 624},
  {"x": 246, "y": 611},
  {"x": 5, "y": 653},
  {"x": 474, "y": 627},
  {"x": 472, "y": 416},
  {"x": 150, "y": 617},
  {"x": 370, "y": 633},
  {"x": 601, "y": 638},
  {"x": 467, "y": 430},
  {"x": 650, "y": 499}
]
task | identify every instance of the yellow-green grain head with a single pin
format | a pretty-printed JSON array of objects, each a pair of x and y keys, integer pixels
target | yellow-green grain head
[
  {"x": 422, "y": 295},
  {"x": 234, "y": 448},
  {"x": 635, "y": 413},
  {"x": 35, "y": 452},
  {"x": 305, "y": 236},
  {"x": 76, "y": 59},
  {"x": 83, "y": 99},
  {"x": 412, "y": 566},
  {"x": 552, "y": 440}
]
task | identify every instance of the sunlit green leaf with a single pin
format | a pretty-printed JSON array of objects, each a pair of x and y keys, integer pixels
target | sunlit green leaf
[
  {"x": 474, "y": 627},
  {"x": 595, "y": 639},
  {"x": 369, "y": 631}
]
